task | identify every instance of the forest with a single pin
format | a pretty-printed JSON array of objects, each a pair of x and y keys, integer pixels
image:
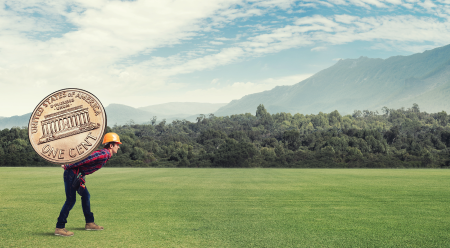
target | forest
[{"x": 394, "y": 138}]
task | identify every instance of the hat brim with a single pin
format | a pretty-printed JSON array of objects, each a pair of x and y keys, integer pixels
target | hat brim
[{"x": 120, "y": 143}]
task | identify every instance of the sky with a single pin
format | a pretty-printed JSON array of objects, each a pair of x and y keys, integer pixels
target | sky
[{"x": 141, "y": 53}]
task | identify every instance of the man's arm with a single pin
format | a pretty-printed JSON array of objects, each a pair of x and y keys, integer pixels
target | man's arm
[{"x": 87, "y": 160}]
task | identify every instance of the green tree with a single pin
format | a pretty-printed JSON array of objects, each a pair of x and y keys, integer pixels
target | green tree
[
  {"x": 265, "y": 118},
  {"x": 234, "y": 154},
  {"x": 211, "y": 134},
  {"x": 320, "y": 120},
  {"x": 442, "y": 118},
  {"x": 292, "y": 138},
  {"x": 415, "y": 108},
  {"x": 261, "y": 111},
  {"x": 334, "y": 118},
  {"x": 328, "y": 151},
  {"x": 338, "y": 144}
]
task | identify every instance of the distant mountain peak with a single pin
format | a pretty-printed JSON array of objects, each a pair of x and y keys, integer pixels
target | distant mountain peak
[
  {"x": 362, "y": 83},
  {"x": 183, "y": 108}
]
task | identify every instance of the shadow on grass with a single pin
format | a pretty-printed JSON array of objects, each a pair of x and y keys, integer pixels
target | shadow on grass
[
  {"x": 45, "y": 234},
  {"x": 77, "y": 229},
  {"x": 53, "y": 233}
]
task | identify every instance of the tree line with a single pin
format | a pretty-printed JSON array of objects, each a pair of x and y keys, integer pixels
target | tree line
[{"x": 394, "y": 138}]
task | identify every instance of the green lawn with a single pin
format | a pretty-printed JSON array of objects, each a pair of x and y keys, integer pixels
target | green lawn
[{"x": 232, "y": 208}]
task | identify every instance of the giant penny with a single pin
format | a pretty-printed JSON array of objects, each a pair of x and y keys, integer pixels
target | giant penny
[{"x": 67, "y": 126}]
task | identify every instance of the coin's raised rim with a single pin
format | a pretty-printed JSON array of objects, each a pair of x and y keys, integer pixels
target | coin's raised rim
[{"x": 96, "y": 142}]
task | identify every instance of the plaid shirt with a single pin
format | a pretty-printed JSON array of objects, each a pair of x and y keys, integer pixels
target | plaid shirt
[{"x": 91, "y": 164}]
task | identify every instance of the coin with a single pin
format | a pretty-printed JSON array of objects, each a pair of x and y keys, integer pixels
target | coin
[{"x": 67, "y": 126}]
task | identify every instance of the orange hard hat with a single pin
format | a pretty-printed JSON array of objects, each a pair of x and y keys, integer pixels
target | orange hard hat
[{"x": 111, "y": 137}]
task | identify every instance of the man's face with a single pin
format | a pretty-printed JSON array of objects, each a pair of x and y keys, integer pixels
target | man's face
[{"x": 114, "y": 148}]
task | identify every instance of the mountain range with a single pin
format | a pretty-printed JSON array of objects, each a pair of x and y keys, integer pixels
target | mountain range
[
  {"x": 348, "y": 85},
  {"x": 359, "y": 84},
  {"x": 121, "y": 114}
]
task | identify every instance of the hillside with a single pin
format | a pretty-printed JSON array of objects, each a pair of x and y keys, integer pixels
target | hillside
[
  {"x": 14, "y": 121},
  {"x": 183, "y": 109},
  {"x": 363, "y": 83},
  {"x": 121, "y": 114}
]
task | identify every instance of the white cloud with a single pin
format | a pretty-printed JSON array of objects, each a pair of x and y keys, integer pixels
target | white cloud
[
  {"x": 318, "y": 49},
  {"x": 376, "y": 3},
  {"x": 347, "y": 19},
  {"x": 216, "y": 43},
  {"x": 390, "y": 46},
  {"x": 338, "y": 30},
  {"x": 297, "y": 11},
  {"x": 317, "y": 21},
  {"x": 107, "y": 47},
  {"x": 324, "y": 3},
  {"x": 106, "y": 33},
  {"x": 408, "y": 5},
  {"x": 282, "y": 4},
  {"x": 307, "y": 5},
  {"x": 345, "y": 28},
  {"x": 395, "y": 2},
  {"x": 339, "y": 2},
  {"x": 237, "y": 90},
  {"x": 427, "y": 4},
  {"x": 223, "y": 38}
]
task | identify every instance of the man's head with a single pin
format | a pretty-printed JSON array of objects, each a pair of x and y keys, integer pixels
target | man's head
[
  {"x": 111, "y": 141},
  {"x": 112, "y": 146}
]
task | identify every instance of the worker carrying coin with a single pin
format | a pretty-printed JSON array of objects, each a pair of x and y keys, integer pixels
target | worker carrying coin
[{"x": 74, "y": 178}]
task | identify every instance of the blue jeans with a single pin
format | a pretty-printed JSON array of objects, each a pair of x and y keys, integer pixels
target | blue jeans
[{"x": 71, "y": 197}]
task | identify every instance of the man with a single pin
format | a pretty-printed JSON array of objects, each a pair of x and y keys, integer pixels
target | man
[{"x": 89, "y": 165}]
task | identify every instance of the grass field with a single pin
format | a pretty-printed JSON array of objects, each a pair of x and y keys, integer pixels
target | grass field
[{"x": 232, "y": 208}]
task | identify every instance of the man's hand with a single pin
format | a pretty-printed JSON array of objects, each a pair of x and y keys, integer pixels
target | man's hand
[{"x": 62, "y": 166}]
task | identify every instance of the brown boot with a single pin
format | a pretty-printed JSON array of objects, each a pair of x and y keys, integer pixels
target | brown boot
[
  {"x": 93, "y": 227},
  {"x": 63, "y": 232}
]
